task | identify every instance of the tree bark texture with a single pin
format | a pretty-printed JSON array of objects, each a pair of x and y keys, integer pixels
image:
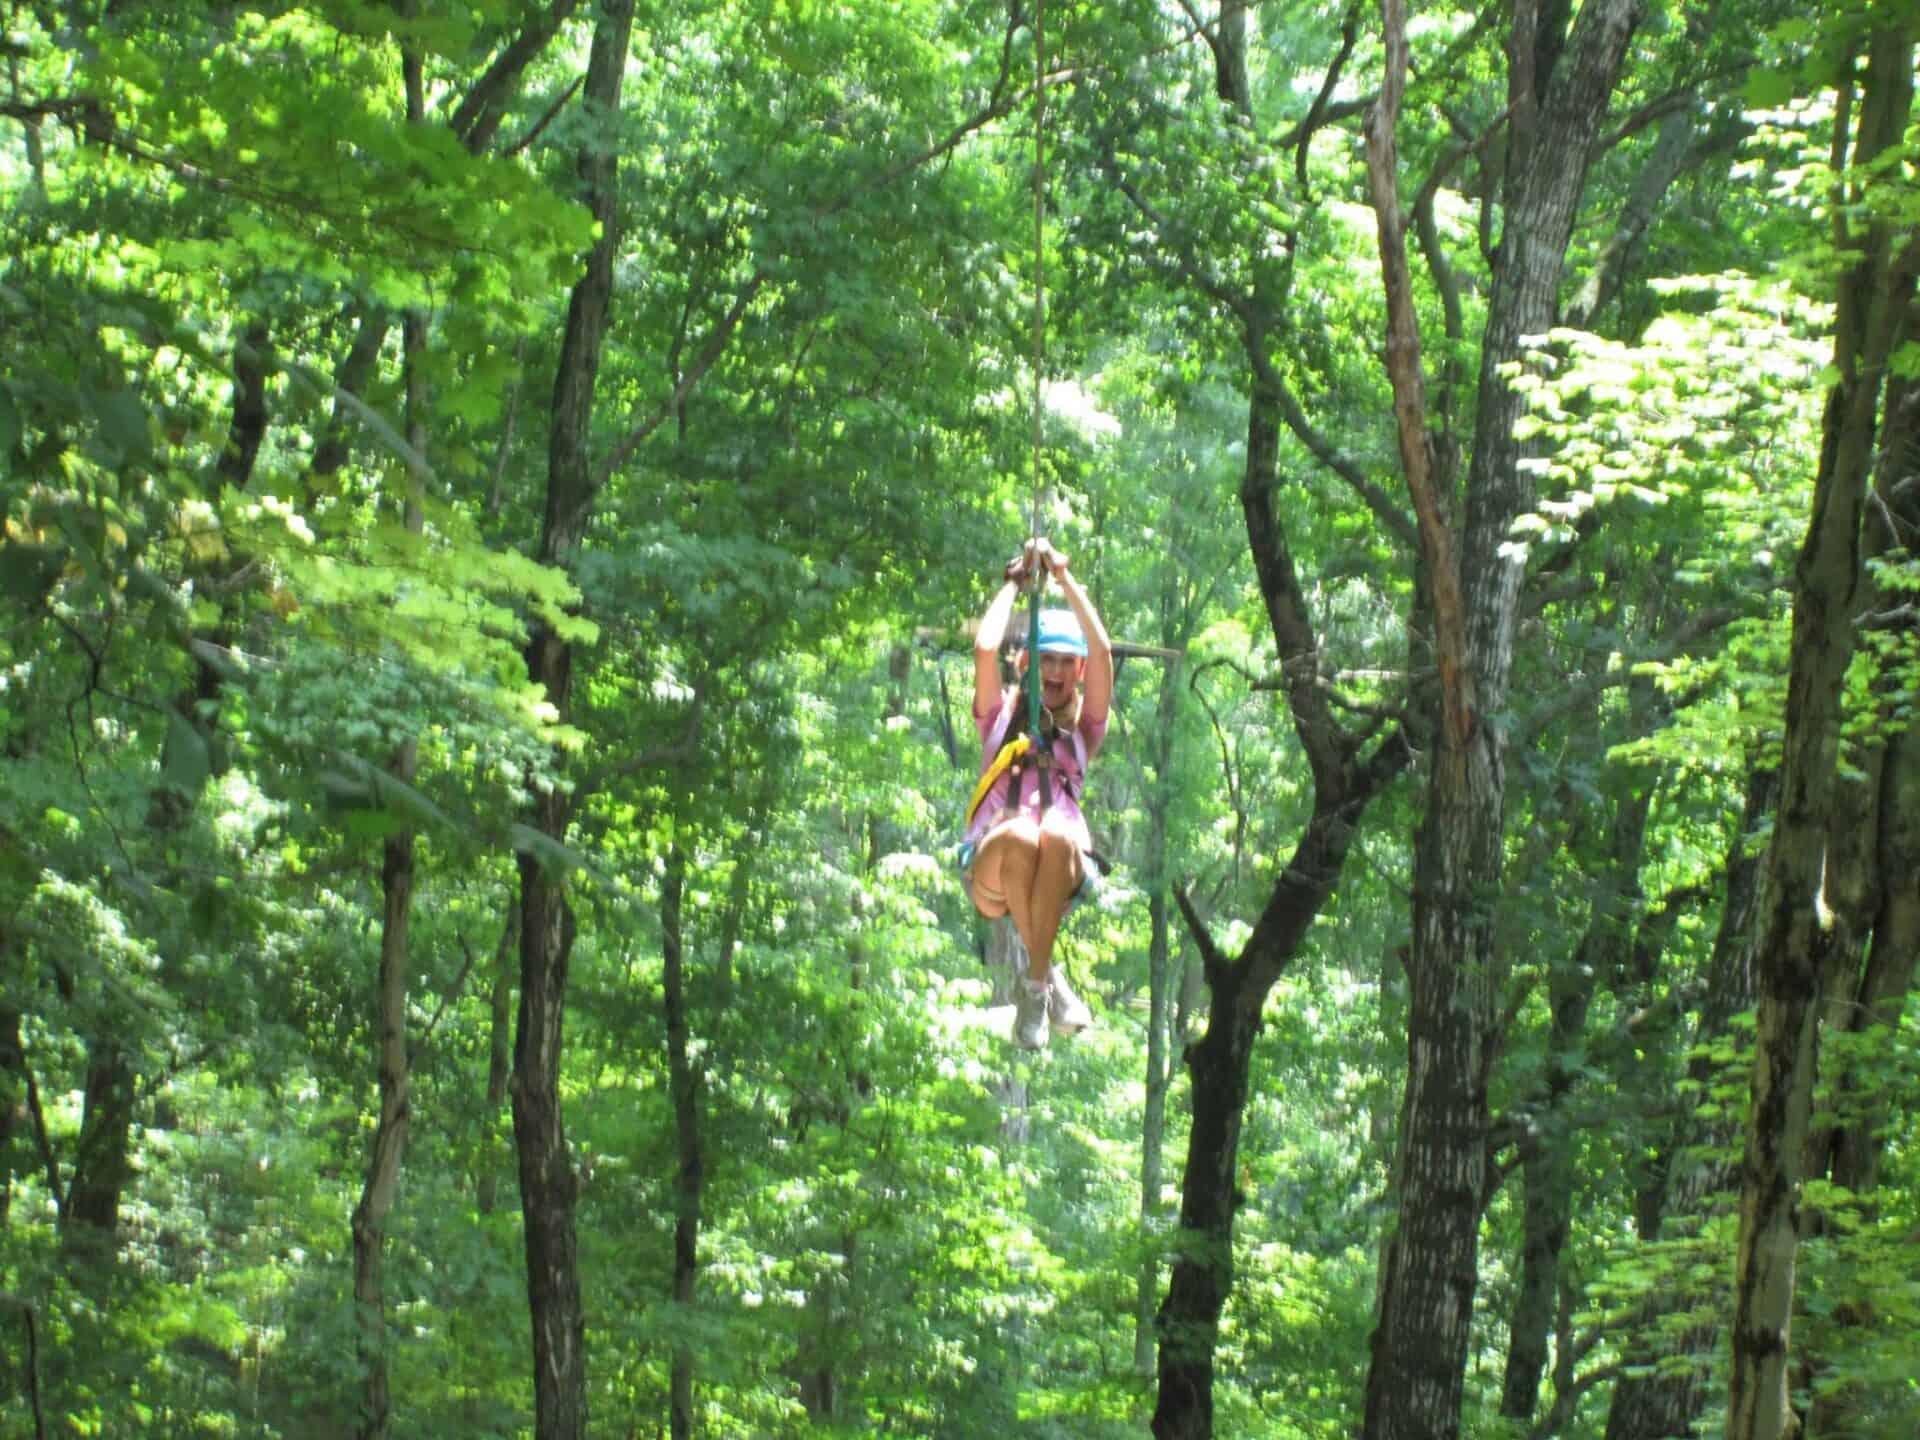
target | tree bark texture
[
  {"x": 390, "y": 1132},
  {"x": 102, "y": 1161},
  {"x": 1415, "y": 1384},
  {"x": 1879, "y": 834},
  {"x": 1798, "y": 935},
  {"x": 13, "y": 1103},
  {"x": 548, "y": 1188},
  {"x": 688, "y": 1175}
]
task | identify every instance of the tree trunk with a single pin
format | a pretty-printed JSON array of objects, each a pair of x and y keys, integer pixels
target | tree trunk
[
  {"x": 685, "y": 1087},
  {"x": 1797, "y": 940},
  {"x": 1159, "y": 1000},
  {"x": 390, "y": 1133},
  {"x": 499, "y": 1061},
  {"x": 1220, "y": 1061},
  {"x": 396, "y": 880},
  {"x": 1548, "y": 1151},
  {"x": 548, "y": 1190},
  {"x": 1415, "y": 1384},
  {"x": 102, "y": 1161},
  {"x": 14, "y": 1114}
]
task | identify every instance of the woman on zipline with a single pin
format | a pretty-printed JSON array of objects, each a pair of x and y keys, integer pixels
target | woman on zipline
[{"x": 1027, "y": 837}]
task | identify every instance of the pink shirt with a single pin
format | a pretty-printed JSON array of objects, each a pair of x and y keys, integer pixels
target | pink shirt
[{"x": 1069, "y": 777}]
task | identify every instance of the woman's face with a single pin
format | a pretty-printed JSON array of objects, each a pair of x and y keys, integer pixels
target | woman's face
[{"x": 1059, "y": 675}]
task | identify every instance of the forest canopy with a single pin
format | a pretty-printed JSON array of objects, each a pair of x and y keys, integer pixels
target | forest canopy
[{"x": 497, "y": 499}]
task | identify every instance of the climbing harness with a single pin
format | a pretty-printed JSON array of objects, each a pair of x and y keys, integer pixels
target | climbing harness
[{"x": 1013, "y": 755}]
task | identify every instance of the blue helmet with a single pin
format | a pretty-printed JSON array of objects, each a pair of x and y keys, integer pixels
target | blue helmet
[{"x": 1060, "y": 634}]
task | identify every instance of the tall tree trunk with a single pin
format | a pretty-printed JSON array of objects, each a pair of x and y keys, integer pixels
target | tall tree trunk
[
  {"x": 1415, "y": 1384},
  {"x": 1876, "y": 997},
  {"x": 1220, "y": 1061},
  {"x": 1797, "y": 938},
  {"x": 390, "y": 1133},
  {"x": 1874, "y": 855},
  {"x": 1346, "y": 776},
  {"x": 548, "y": 1189},
  {"x": 103, "y": 1159},
  {"x": 396, "y": 881},
  {"x": 13, "y": 1099},
  {"x": 688, "y": 1175},
  {"x": 1153, "y": 1126},
  {"x": 499, "y": 1059},
  {"x": 1159, "y": 993},
  {"x": 1850, "y": 1153}
]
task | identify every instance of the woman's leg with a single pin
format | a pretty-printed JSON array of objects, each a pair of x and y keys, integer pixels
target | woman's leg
[
  {"x": 1058, "y": 871},
  {"x": 1004, "y": 876}
]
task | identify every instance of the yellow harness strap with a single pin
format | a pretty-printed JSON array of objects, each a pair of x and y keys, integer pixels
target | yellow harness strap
[{"x": 1009, "y": 752}]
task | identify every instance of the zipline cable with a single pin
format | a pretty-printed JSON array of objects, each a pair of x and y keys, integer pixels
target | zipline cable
[{"x": 1043, "y": 757}]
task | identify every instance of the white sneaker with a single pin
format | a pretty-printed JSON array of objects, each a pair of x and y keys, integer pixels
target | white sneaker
[
  {"x": 1067, "y": 1011},
  {"x": 1030, "y": 1003}
]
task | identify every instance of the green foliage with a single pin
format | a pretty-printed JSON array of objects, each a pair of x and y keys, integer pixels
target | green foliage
[{"x": 210, "y": 670}]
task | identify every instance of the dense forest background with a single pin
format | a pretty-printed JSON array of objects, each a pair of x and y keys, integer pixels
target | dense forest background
[{"x": 493, "y": 491}]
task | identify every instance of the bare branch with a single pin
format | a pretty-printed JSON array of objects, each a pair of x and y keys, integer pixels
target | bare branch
[
  {"x": 1564, "y": 1402},
  {"x": 10, "y": 1301},
  {"x": 1458, "y": 701},
  {"x": 674, "y": 752},
  {"x": 547, "y": 116},
  {"x": 453, "y": 993},
  {"x": 1302, "y": 137},
  {"x": 1212, "y": 962}
]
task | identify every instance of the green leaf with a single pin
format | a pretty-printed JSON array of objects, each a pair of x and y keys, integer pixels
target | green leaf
[
  {"x": 1768, "y": 88},
  {"x": 123, "y": 427},
  {"x": 189, "y": 760}
]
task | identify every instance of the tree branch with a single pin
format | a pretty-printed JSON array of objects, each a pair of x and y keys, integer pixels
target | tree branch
[
  {"x": 481, "y": 112},
  {"x": 1458, "y": 701},
  {"x": 1212, "y": 962},
  {"x": 547, "y": 116},
  {"x": 709, "y": 353},
  {"x": 1317, "y": 113},
  {"x": 686, "y": 747},
  {"x": 1181, "y": 262},
  {"x": 25, "y": 1307},
  {"x": 42, "y": 1139},
  {"x": 1683, "y": 637}
]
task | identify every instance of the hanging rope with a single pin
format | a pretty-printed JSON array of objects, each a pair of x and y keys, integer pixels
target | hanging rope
[
  {"x": 1042, "y": 749},
  {"x": 1039, "y": 238}
]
